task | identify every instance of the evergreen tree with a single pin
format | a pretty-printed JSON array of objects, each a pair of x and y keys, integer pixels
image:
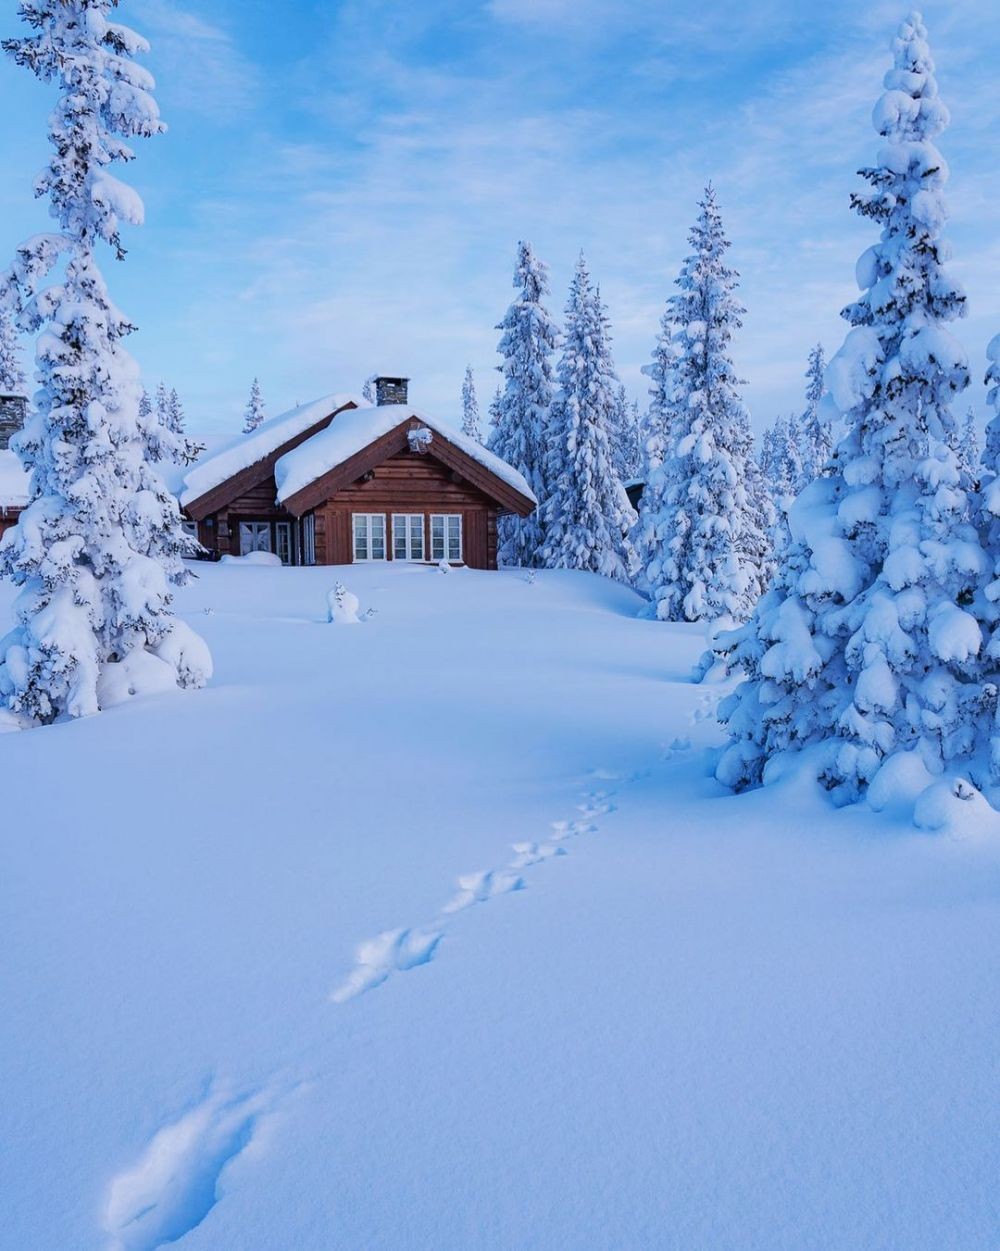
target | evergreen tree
[
  {"x": 470, "y": 408},
  {"x": 866, "y": 646},
  {"x": 587, "y": 516},
  {"x": 817, "y": 437},
  {"x": 624, "y": 436},
  {"x": 651, "y": 530},
  {"x": 521, "y": 426},
  {"x": 714, "y": 562},
  {"x": 168, "y": 441},
  {"x": 368, "y": 389},
  {"x": 100, "y": 542},
  {"x": 987, "y": 474},
  {"x": 12, "y": 379},
  {"x": 968, "y": 448},
  {"x": 253, "y": 414}
]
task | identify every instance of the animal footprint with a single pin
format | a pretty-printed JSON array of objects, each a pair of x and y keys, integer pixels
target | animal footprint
[
  {"x": 570, "y": 829},
  {"x": 478, "y": 887},
  {"x": 174, "y": 1185},
  {"x": 705, "y": 709},
  {"x": 534, "y": 853},
  {"x": 392, "y": 951},
  {"x": 676, "y": 746}
]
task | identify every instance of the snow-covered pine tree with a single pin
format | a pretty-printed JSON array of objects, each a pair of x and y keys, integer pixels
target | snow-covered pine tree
[
  {"x": 97, "y": 547},
  {"x": 714, "y": 562},
  {"x": 968, "y": 448},
  {"x": 866, "y": 647},
  {"x": 470, "y": 408},
  {"x": 624, "y": 435},
  {"x": 521, "y": 425},
  {"x": 649, "y": 535},
  {"x": 253, "y": 414},
  {"x": 587, "y": 516},
  {"x": 12, "y": 379},
  {"x": 368, "y": 389},
  {"x": 816, "y": 435},
  {"x": 170, "y": 440},
  {"x": 987, "y": 475}
]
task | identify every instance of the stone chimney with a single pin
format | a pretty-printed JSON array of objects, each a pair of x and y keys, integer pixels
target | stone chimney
[
  {"x": 13, "y": 410},
  {"x": 390, "y": 390}
]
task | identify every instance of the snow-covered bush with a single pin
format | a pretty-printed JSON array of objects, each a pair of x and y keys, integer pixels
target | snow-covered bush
[
  {"x": 100, "y": 542},
  {"x": 343, "y": 606},
  {"x": 587, "y": 516},
  {"x": 868, "y": 646}
]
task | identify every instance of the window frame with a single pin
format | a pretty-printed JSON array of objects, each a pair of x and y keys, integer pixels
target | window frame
[
  {"x": 411, "y": 530},
  {"x": 444, "y": 518},
  {"x": 369, "y": 545},
  {"x": 257, "y": 528},
  {"x": 309, "y": 539}
]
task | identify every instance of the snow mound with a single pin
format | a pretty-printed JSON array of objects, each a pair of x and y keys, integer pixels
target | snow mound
[
  {"x": 954, "y": 806},
  {"x": 139, "y": 673},
  {"x": 267, "y": 560}
]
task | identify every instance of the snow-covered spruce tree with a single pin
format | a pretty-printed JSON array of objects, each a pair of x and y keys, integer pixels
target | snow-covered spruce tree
[
  {"x": 168, "y": 441},
  {"x": 253, "y": 414},
  {"x": 97, "y": 547},
  {"x": 624, "y": 436},
  {"x": 649, "y": 534},
  {"x": 816, "y": 435},
  {"x": 187, "y": 450},
  {"x": 470, "y": 408},
  {"x": 866, "y": 647},
  {"x": 714, "y": 559},
  {"x": 521, "y": 425},
  {"x": 967, "y": 447},
  {"x": 12, "y": 379},
  {"x": 368, "y": 389},
  {"x": 587, "y": 516},
  {"x": 987, "y": 475}
]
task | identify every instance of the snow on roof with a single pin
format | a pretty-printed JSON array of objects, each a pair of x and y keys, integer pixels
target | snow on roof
[
  {"x": 245, "y": 450},
  {"x": 352, "y": 431},
  {"x": 13, "y": 481}
]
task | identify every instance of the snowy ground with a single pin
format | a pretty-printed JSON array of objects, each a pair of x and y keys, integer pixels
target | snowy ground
[{"x": 715, "y": 1022}]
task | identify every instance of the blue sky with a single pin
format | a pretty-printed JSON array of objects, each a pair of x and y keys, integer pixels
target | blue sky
[{"x": 343, "y": 184}]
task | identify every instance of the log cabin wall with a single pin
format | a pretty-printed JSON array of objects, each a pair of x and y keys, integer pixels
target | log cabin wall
[
  {"x": 220, "y": 532},
  {"x": 8, "y": 518},
  {"x": 409, "y": 483}
]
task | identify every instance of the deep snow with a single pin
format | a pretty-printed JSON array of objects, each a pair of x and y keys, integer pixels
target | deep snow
[{"x": 298, "y": 961}]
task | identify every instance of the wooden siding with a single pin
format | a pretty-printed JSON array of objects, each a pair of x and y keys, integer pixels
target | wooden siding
[
  {"x": 391, "y": 445},
  {"x": 8, "y": 518},
  {"x": 409, "y": 483}
]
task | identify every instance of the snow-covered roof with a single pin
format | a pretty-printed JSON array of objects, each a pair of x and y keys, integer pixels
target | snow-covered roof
[
  {"x": 13, "y": 481},
  {"x": 352, "y": 431},
  {"x": 245, "y": 450}
]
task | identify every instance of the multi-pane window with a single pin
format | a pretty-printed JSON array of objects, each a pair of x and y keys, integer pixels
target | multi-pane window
[
  {"x": 369, "y": 536},
  {"x": 309, "y": 539},
  {"x": 407, "y": 536},
  {"x": 283, "y": 541},
  {"x": 255, "y": 536},
  {"x": 446, "y": 536}
]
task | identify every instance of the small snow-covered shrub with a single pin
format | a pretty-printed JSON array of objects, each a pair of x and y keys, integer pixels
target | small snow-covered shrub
[{"x": 342, "y": 606}]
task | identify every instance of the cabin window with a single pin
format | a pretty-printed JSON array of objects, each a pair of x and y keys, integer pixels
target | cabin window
[
  {"x": 255, "y": 536},
  {"x": 446, "y": 536},
  {"x": 309, "y": 539},
  {"x": 369, "y": 536},
  {"x": 283, "y": 541},
  {"x": 408, "y": 536}
]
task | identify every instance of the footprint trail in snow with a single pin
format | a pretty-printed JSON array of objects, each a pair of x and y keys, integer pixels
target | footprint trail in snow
[{"x": 398, "y": 951}]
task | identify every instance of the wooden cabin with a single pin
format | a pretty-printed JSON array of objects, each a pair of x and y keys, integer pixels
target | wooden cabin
[{"x": 339, "y": 482}]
